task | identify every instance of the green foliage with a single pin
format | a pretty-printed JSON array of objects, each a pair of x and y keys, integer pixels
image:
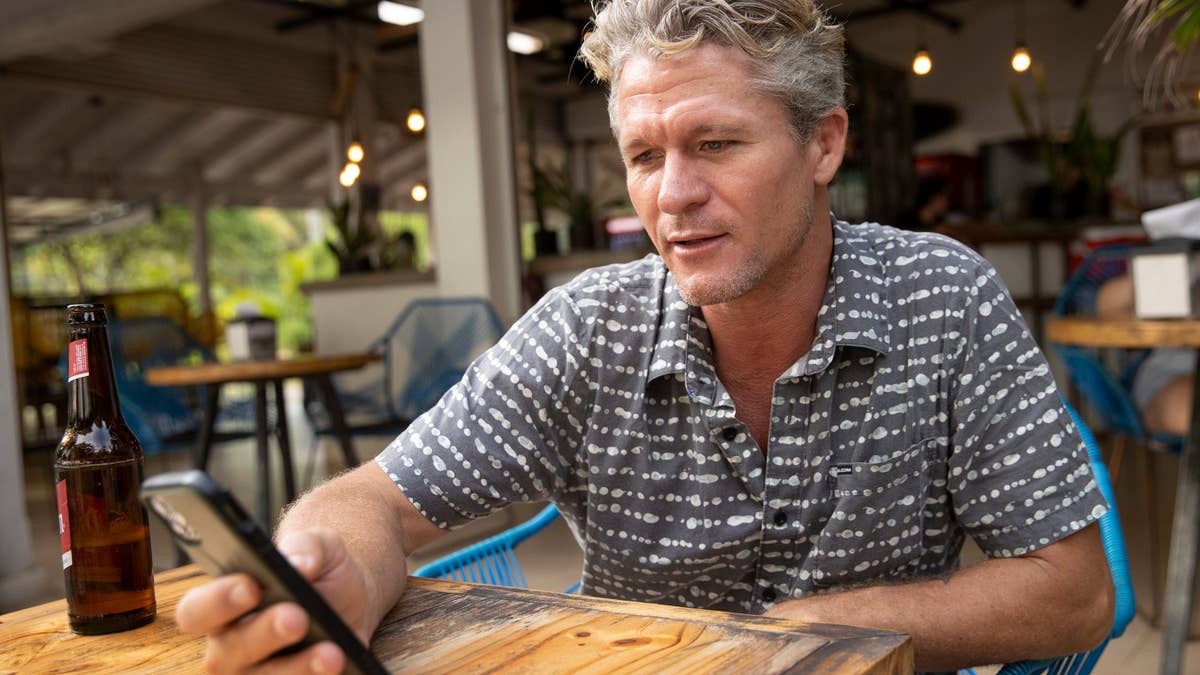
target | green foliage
[
  {"x": 1187, "y": 25},
  {"x": 256, "y": 255}
]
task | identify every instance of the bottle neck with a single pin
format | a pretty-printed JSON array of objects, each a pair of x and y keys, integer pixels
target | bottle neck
[{"x": 91, "y": 397}]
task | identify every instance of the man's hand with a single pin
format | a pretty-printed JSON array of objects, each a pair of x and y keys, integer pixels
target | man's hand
[
  {"x": 349, "y": 538},
  {"x": 236, "y": 644}
]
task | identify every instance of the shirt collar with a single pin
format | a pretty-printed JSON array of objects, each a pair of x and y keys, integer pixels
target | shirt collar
[{"x": 855, "y": 312}]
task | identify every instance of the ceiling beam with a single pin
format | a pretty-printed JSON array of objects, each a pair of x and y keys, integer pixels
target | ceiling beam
[
  {"x": 245, "y": 159},
  {"x": 925, "y": 8},
  {"x": 131, "y": 185},
  {"x": 226, "y": 156},
  {"x": 318, "y": 13},
  {"x": 33, "y": 27},
  {"x": 175, "y": 63},
  {"x": 146, "y": 152},
  {"x": 27, "y": 134},
  {"x": 276, "y": 167}
]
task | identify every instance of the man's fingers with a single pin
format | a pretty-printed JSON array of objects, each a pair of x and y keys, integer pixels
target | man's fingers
[
  {"x": 208, "y": 608},
  {"x": 256, "y": 637},
  {"x": 323, "y": 658}
]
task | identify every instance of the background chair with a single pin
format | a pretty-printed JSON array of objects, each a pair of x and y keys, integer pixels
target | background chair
[
  {"x": 423, "y": 353},
  {"x": 1107, "y": 396},
  {"x": 161, "y": 416},
  {"x": 493, "y": 560}
]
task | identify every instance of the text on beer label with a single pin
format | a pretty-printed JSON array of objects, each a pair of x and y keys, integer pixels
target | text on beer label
[
  {"x": 77, "y": 360},
  {"x": 64, "y": 523}
]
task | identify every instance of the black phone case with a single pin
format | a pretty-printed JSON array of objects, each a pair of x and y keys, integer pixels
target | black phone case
[{"x": 218, "y": 534}]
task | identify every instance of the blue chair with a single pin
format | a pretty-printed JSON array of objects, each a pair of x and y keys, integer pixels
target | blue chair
[
  {"x": 424, "y": 352},
  {"x": 492, "y": 561},
  {"x": 1108, "y": 398},
  {"x": 1118, "y": 566}
]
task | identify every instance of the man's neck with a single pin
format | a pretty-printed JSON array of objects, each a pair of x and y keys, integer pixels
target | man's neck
[{"x": 763, "y": 333}]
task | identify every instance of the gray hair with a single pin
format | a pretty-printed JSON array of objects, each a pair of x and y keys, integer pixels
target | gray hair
[{"x": 798, "y": 52}]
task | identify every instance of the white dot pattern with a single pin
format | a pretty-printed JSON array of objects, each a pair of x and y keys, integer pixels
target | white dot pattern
[{"x": 923, "y": 412}]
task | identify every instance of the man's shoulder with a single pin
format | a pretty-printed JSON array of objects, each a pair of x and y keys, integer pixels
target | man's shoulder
[
  {"x": 642, "y": 278},
  {"x": 897, "y": 249}
]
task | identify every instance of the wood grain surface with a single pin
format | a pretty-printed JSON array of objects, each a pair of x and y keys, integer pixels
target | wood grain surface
[
  {"x": 249, "y": 371},
  {"x": 1128, "y": 333},
  {"x": 442, "y": 626}
]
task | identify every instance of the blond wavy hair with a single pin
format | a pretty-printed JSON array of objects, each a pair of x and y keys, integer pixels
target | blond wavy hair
[{"x": 798, "y": 53}]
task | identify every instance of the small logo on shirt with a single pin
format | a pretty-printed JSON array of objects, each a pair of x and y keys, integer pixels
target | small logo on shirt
[{"x": 838, "y": 470}]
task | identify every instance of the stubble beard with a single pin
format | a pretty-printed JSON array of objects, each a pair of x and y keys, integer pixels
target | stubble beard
[{"x": 748, "y": 275}]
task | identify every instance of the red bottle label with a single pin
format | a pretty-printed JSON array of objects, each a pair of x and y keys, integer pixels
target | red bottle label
[
  {"x": 64, "y": 522},
  {"x": 77, "y": 360}
]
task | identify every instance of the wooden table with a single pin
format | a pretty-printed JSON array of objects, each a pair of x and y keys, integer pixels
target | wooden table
[
  {"x": 1185, "y": 532},
  {"x": 449, "y": 627},
  {"x": 315, "y": 369}
]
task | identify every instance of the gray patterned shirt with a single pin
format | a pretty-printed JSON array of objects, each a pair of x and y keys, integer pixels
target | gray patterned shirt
[{"x": 924, "y": 411}]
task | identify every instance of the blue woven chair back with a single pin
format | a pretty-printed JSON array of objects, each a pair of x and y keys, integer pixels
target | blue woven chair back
[
  {"x": 491, "y": 561},
  {"x": 424, "y": 352},
  {"x": 428, "y": 348},
  {"x": 1118, "y": 566}
]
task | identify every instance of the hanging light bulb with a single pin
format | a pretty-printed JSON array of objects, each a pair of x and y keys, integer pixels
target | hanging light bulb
[
  {"x": 1021, "y": 60},
  {"x": 419, "y": 192},
  {"x": 349, "y": 174},
  {"x": 355, "y": 152},
  {"x": 415, "y": 121},
  {"x": 922, "y": 63}
]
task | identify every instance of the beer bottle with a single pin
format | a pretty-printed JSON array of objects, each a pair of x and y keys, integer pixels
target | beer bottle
[{"x": 97, "y": 474}]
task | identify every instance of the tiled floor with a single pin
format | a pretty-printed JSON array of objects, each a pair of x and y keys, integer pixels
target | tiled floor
[{"x": 552, "y": 560}]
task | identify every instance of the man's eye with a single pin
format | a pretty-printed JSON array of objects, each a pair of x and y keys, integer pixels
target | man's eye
[
  {"x": 714, "y": 146},
  {"x": 643, "y": 158}
]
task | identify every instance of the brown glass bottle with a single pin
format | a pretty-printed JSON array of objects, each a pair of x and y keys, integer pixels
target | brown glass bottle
[{"x": 97, "y": 474}]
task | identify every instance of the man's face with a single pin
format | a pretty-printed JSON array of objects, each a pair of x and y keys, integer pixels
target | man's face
[{"x": 713, "y": 171}]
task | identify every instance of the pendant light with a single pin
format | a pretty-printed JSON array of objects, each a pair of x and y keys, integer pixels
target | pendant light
[
  {"x": 1021, "y": 59},
  {"x": 922, "y": 62}
]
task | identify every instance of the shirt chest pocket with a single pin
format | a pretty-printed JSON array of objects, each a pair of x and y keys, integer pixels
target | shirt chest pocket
[{"x": 874, "y": 529}]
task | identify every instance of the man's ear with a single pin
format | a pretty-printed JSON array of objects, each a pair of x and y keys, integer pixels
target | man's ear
[{"x": 829, "y": 140}]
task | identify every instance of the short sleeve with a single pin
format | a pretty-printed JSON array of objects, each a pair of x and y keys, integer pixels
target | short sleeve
[
  {"x": 1018, "y": 473},
  {"x": 508, "y": 431}
]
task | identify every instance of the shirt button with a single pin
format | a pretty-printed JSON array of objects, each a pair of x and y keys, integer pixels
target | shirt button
[
  {"x": 769, "y": 595},
  {"x": 780, "y": 517},
  {"x": 729, "y": 434}
]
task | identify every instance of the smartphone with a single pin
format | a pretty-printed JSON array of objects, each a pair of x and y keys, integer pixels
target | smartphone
[{"x": 220, "y": 537}]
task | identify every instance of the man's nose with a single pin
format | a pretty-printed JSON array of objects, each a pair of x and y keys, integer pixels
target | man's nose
[{"x": 682, "y": 187}]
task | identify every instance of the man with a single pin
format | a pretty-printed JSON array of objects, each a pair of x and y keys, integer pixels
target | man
[{"x": 780, "y": 414}]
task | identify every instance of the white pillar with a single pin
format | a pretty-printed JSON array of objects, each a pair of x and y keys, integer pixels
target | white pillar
[
  {"x": 199, "y": 203},
  {"x": 465, "y": 69},
  {"x": 18, "y": 575}
]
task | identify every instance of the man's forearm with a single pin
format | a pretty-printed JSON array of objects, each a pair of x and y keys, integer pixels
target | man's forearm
[
  {"x": 999, "y": 611},
  {"x": 361, "y": 508}
]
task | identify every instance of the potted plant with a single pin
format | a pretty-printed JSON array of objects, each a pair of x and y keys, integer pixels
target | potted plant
[
  {"x": 354, "y": 241},
  {"x": 1080, "y": 161}
]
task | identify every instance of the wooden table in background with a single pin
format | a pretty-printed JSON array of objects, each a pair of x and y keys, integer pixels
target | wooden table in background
[
  {"x": 315, "y": 369},
  {"x": 449, "y": 627},
  {"x": 1185, "y": 532}
]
